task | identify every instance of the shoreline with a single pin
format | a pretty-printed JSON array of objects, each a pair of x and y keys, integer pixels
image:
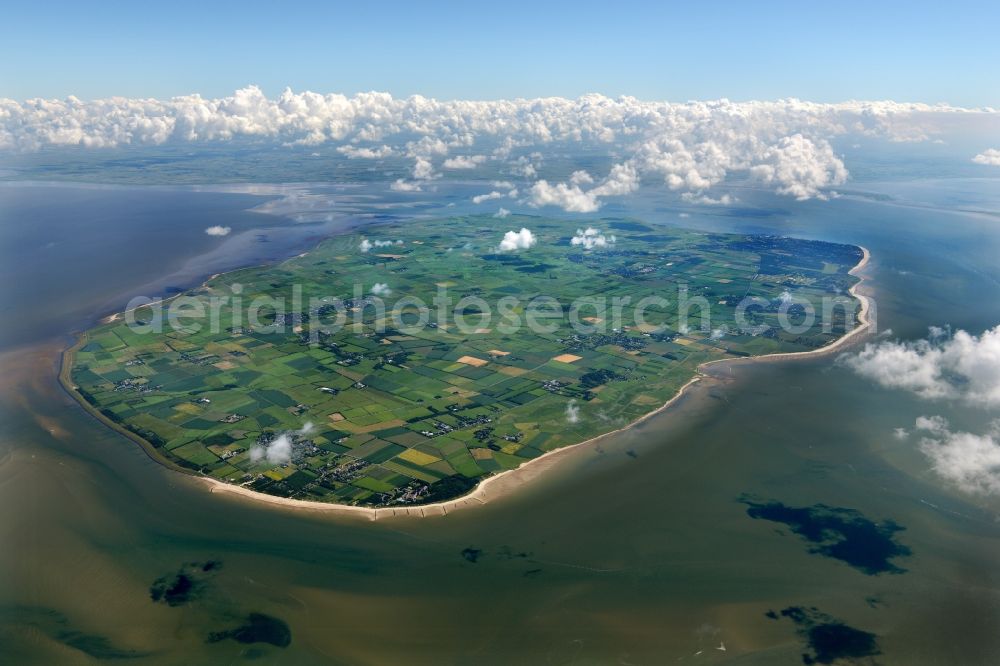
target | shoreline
[
  {"x": 115, "y": 316},
  {"x": 504, "y": 482},
  {"x": 511, "y": 478},
  {"x": 528, "y": 471}
]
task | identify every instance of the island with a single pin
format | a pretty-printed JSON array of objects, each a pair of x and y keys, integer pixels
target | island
[{"x": 403, "y": 364}]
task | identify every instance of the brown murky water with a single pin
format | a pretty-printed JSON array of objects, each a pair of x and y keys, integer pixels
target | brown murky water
[{"x": 637, "y": 550}]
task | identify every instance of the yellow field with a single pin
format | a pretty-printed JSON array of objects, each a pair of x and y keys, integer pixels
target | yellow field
[{"x": 418, "y": 457}]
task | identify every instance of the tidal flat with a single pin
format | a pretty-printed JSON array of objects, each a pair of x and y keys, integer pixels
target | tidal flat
[{"x": 635, "y": 549}]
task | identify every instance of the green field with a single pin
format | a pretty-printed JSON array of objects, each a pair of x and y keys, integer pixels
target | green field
[{"x": 405, "y": 414}]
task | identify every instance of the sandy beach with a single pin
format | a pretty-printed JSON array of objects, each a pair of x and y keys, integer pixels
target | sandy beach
[{"x": 504, "y": 483}]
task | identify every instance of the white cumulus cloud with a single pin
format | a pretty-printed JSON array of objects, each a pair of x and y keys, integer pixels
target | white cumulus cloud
[
  {"x": 623, "y": 179},
  {"x": 568, "y": 197},
  {"x": 368, "y": 245},
  {"x": 969, "y": 460},
  {"x": 572, "y": 412},
  {"x": 400, "y": 185},
  {"x": 590, "y": 238},
  {"x": 480, "y": 198},
  {"x": 688, "y": 147},
  {"x": 218, "y": 230},
  {"x": 277, "y": 452},
  {"x": 517, "y": 240},
  {"x": 959, "y": 366},
  {"x": 464, "y": 162},
  {"x": 381, "y": 289},
  {"x": 800, "y": 167},
  {"x": 355, "y": 152},
  {"x": 989, "y": 157},
  {"x": 423, "y": 169},
  {"x": 280, "y": 450},
  {"x": 706, "y": 200}
]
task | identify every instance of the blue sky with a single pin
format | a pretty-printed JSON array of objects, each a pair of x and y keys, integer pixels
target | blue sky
[{"x": 914, "y": 51}]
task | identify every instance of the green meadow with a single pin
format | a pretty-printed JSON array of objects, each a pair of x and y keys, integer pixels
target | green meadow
[{"x": 400, "y": 408}]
